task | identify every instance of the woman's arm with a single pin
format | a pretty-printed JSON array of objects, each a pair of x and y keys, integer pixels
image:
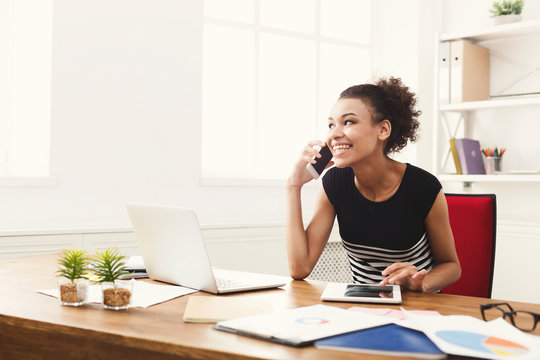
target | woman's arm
[
  {"x": 446, "y": 270},
  {"x": 304, "y": 246}
]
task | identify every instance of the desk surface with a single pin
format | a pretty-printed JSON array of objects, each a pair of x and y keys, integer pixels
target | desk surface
[{"x": 34, "y": 323}]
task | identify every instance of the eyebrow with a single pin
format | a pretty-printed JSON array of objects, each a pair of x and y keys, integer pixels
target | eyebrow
[{"x": 344, "y": 115}]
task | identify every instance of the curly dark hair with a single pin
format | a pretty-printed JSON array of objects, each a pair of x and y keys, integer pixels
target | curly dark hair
[{"x": 390, "y": 99}]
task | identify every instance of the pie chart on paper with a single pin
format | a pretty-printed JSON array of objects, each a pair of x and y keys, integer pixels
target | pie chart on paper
[{"x": 482, "y": 343}]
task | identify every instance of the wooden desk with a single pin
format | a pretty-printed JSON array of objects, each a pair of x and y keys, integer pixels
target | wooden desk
[{"x": 35, "y": 326}]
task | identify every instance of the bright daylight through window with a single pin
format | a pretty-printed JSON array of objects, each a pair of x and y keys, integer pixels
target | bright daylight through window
[
  {"x": 25, "y": 87},
  {"x": 271, "y": 71}
]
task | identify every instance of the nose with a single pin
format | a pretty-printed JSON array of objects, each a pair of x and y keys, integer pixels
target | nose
[{"x": 335, "y": 133}]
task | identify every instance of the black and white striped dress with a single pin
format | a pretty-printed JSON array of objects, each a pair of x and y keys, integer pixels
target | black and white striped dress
[{"x": 378, "y": 234}]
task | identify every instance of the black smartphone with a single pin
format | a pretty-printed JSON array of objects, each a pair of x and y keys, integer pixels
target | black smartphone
[{"x": 316, "y": 169}]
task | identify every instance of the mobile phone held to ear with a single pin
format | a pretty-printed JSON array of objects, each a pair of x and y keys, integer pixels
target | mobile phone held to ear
[{"x": 316, "y": 169}]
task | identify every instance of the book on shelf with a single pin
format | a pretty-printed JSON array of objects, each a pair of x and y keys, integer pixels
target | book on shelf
[
  {"x": 387, "y": 340},
  {"x": 455, "y": 155},
  {"x": 470, "y": 156}
]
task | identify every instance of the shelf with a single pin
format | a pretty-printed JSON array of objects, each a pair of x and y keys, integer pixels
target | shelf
[
  {"x": 497, "y": 32},
  {"x": 491, "y": 104},
  {"x": 491, "y": 178}
]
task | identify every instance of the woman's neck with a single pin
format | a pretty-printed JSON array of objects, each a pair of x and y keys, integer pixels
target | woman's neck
[{"x": 379, "y": 180}]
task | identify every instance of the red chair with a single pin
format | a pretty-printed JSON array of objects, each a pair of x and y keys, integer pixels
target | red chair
[{"x": 473, "y": 219}]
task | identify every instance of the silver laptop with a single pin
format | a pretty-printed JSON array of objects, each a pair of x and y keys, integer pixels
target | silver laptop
[{"x": 173, "y": 251}]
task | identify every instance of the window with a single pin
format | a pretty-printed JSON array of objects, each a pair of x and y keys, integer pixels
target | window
[
  {"x": 25, "y": 87},
  {"x": 271, "y": 71}
]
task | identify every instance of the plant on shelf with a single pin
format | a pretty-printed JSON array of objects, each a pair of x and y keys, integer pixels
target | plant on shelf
[
  {"x": 506, "y": 11},
  {"x": 72, "y": 273},
  {"x": 109, "y": 266}
]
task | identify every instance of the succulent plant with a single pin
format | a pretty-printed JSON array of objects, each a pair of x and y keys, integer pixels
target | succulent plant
[
  {"x": 109, "y": 265},
  {"x": 506, "y": 7},
  {"x": 73, "y": 264}
]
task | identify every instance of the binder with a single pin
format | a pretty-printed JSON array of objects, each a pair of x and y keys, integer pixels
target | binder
[
  {"x": 470, "y": 156},
  {"x": 388, "y": 340},
  {"x": 469, "y": 72},
  {"x": 444, "y": 72},
  {"x": 455, "y": 155},
  {"x": 301, "y": 326}
]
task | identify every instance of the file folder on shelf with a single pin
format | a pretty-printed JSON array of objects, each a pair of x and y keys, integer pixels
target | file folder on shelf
[
  {"x": 469, "y": 72},
  {"x": 444, "y": 72}
]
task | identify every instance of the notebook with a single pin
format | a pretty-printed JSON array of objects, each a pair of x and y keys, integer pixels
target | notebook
[
  {"x": 211, "y": 309},
  {"x": 301, "y": 326},
  {"x": 173, "y": 251},
  {"x": 389, "y": 340}
]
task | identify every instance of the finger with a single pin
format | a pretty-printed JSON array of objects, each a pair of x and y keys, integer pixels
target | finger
[
  {"x": 402, "y": 275},
  {"x": 310, "y": 154},
  {"x": 419, "y": 275},
  {"x": 395, "y": 267},
  {"x": 316, "y": 144}
]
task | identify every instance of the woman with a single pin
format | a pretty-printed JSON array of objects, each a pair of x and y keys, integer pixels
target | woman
[{"x": 392, "y": 216}]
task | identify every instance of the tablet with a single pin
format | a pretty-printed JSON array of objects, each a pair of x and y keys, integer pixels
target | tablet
[{"x": 365, "y": 293}]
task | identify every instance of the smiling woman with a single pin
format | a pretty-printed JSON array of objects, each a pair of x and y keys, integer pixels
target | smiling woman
[{"x": 392, "y": 216}]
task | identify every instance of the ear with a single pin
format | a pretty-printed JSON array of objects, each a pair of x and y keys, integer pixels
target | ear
[{"x": 385, "y": 128}]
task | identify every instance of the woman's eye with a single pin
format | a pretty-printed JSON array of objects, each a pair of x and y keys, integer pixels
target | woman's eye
[
  {"x": 331, "y": 126},
  {"x": 348, "y": 122}
]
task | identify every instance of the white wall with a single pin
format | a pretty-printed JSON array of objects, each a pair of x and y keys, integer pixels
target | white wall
[{"x": 126, "y": 109}]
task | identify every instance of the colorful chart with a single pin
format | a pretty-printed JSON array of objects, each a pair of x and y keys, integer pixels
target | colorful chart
[
  {"x": 482, "y": 343},
  {"x": 312, "y": 321}
]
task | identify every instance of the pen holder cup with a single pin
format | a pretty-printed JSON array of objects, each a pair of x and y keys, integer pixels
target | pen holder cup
[
  {"x": 493, "y": 164},
  {"x": 117, "y": 295}
]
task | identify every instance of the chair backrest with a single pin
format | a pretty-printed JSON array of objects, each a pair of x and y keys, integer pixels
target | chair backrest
[
  {"x": 473, "y": 219},
  {"x": 333, "y": 265}
]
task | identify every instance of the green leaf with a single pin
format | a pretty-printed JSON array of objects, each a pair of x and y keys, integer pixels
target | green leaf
[
  {"x": 73, "y": 264},
  {"x": 109, "y": 265},
  {"x": 506, "y": 7}
]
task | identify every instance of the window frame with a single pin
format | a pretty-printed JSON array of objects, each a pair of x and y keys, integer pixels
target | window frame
[{"x": 258, "y": 29}]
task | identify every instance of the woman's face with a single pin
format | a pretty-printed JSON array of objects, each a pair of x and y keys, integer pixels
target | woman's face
[{"x": 352, "y": 136}]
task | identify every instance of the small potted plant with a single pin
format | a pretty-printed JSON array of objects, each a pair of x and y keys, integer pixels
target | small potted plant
[
  {"x": 72, "y": 273},
  {"x": 109, "y": 266},
  {"x": 506, "y": 11}
]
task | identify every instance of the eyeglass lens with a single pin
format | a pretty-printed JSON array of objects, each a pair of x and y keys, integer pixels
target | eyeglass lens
[{"x": 522, "y": 320}]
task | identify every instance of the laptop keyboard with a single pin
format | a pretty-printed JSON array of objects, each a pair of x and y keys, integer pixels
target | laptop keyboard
[{"x": 228, "y": 283}]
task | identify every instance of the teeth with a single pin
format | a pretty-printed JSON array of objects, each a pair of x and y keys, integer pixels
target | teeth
[{"x": 339, "y": 147}]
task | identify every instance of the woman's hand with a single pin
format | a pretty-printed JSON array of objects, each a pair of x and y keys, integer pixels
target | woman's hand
[
  {"x": 300, "y": 175},
  {"x": 405, "y": 275}
]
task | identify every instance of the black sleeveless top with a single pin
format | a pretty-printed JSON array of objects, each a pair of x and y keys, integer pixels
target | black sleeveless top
[{"x": 378, "y": 234}]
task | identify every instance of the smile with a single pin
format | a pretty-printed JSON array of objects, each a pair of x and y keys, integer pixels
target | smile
[{"x": 340, "y": 149}]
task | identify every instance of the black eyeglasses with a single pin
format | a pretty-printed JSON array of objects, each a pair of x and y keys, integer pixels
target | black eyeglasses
[{"x": 523, "y": 320}]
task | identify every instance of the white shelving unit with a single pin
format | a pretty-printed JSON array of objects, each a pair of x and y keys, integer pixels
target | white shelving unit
[{"x": 442, "y": 126}]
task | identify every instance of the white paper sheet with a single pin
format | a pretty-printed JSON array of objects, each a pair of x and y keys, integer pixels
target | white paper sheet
[
  {"x": 469, "y": 336},
  {"x": 303, "y": 324},
  {"x": 144, "y": 294}
]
